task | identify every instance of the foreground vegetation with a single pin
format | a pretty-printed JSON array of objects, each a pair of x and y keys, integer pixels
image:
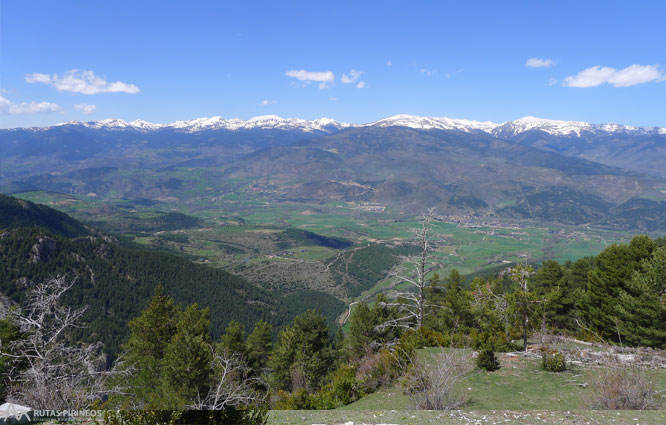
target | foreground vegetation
[{"x": 410, "y": 347}]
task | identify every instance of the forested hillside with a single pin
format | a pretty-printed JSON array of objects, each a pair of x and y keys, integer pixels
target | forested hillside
[
  {"x": 116, "y": 280},
  {"x": 18, "y": 213}
]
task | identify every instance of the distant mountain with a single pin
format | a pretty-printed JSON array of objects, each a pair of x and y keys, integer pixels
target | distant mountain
[
  {"x": 640, "y": 149},
  {"x": 430, "y": 123},
  {"x": 273, "y": 122},
  {"x": 265, "y": 122},
  {"x": 408, "y": 161},
  {"x": 570, "y": 128},
  {"x": 457, "y": 172}
]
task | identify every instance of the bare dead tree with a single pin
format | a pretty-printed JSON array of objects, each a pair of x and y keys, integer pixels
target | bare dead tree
[
  {"x": 431, "y": 382},
  {"x": 47, "y": 370},
  {"x": 232, "y": 384},
  {"x": 411, "y": 305}
]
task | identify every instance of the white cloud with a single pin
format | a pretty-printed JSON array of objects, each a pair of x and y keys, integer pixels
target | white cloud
[
  {"x": 360, "y": 85},
  {"x": 551, "y": 82},
  {"x": 389, "y": 63},
  {"x": 627, "y": 77},
  {"x": 323, "y": 78},
  {"x": 427, "y": 72},
  {"x": 539, "y": 63},
  {"x": 86, "y": 108},
  {"x": 84, "y": 82},
  {"x": 351, "y": 78},
  {"x": 11, "y": 108},
  {"x": 268, "y": 102}
]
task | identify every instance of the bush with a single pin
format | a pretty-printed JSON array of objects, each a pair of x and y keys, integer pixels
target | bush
[
  {"x": 489, "y": 340},
  {"x": 553, "y": 361},
  {"x": 487, "y": 360},
  {"x": 422, "y": 337},
  {"x": 342, "y": 389},
  {"x": 297, "y": 400},
  {"x": 620, "y": 386},
  {"x": 430, "y": 385},
  {"x": 228, "y": 416},
  {"x": 378, "y": 369}
]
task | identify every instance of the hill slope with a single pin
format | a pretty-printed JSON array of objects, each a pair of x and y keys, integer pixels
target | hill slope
[
  {"x": 115, "y": 281},
  {"x": 19, "y": 213}
]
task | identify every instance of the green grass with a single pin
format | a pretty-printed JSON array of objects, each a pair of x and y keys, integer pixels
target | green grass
[
  {"x": 518, "y": 385},
  {"x": 519, "y": 393}
]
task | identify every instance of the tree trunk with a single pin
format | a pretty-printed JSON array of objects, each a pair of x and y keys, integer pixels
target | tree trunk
[{"x": 525, "y": 332}]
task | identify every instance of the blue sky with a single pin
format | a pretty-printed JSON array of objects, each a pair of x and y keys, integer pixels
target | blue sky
[{"x": 351, "y": 61}]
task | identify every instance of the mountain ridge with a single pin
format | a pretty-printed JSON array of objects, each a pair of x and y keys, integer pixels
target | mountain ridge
[{"x": 507, "y": 128}]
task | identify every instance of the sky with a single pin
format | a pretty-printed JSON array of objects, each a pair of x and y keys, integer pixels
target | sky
[{"x": 353, "y": 61}]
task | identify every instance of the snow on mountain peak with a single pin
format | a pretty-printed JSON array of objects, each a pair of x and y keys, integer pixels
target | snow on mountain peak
[
  {"x": 432, "y": 123},
  {"x": 568, "y": 128},
  {"x": 327, "y": 125}
]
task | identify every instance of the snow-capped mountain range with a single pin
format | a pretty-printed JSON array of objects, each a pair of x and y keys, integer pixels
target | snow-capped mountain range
[
  {"x": 219, "y": 123},
  {"x": 327, "y": 125}
]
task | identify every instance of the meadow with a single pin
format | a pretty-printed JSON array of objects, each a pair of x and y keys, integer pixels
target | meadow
[{"x": 521, "y": 392}]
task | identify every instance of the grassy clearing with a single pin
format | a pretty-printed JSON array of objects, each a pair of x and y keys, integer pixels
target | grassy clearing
[
  {"x": 521, "y": 384},
  {"x": 519, "y": 393}
]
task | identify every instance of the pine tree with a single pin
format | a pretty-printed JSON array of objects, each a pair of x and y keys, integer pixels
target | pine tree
[
  {"x": 302, "y": 355},
  {"x": 458, "y": 302},
  {"x": 259, "y": 345},
  {"x": 362, "y": 333},
  {"x": 233, "y": 339},
  {"x": 523, "y": 302},
  {"x": 609, "y": 284},
  {"x": 572, "y": 289},
  {"x": 186, "y": 366},
  {"x": 642, "y": 307},
  {"x": 546, "y": 283},
  {"x": 150, "y": 333}
]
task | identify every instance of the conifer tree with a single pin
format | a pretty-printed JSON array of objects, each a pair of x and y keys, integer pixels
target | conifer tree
[
  {"x": 642, "y": 308},
  {"x": 302, "y": 355},
  {"x": 233, "y": 339},
  {"x": 186, "y": 366},
  {"x": 259, "y": 345},
  {"x": 608, "y": 285},
  {"x": 150, "y": 334}
]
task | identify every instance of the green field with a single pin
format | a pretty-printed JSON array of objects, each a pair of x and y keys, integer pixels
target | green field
[{"x": 239, "y": 230}]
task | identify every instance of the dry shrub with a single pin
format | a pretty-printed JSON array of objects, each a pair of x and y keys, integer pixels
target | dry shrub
[
  {"x": 430, "y": 383},
  {"x": 378, "y": 369},
  {"x": 623, "y": 386}
]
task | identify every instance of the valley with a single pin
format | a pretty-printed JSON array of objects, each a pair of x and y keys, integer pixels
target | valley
[{"x": 248, "y": 236}]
